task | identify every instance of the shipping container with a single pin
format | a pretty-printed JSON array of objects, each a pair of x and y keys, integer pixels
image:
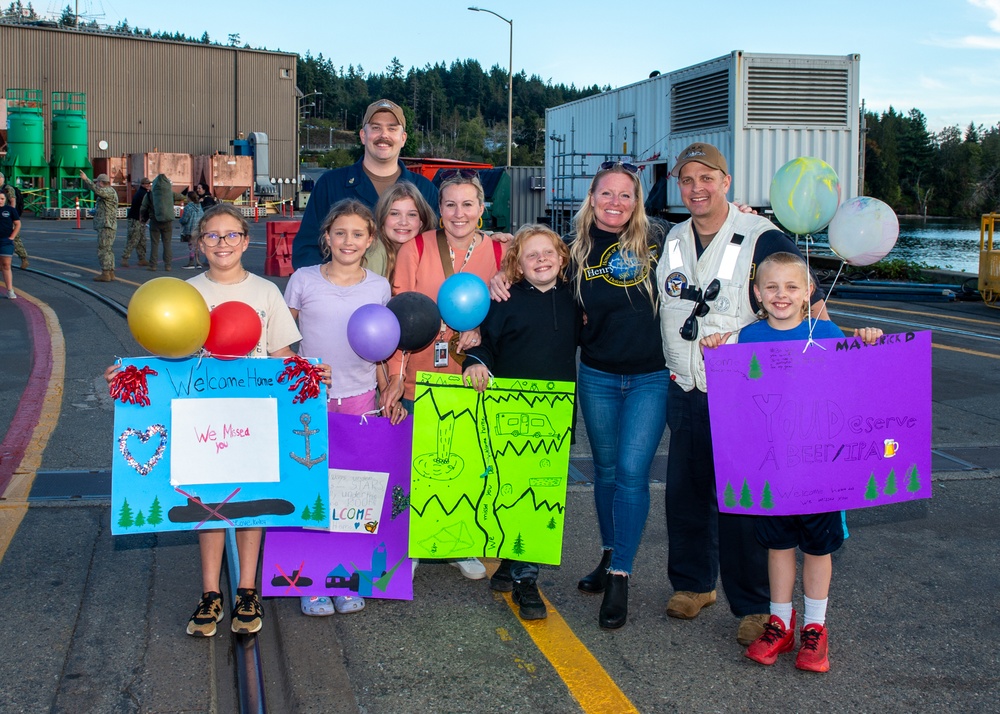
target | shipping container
[{"x": 760, "y": 110}]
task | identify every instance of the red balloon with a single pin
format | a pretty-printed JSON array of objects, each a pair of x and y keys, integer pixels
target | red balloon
[{"x": 234, "y": 330}]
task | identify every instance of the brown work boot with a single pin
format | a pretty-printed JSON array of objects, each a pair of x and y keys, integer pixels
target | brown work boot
[
  {"x": 752, "y": 627},
  {"x": 24, "y": 263},
  {"x": 124, "y": 263},
  {"x": 686, "y": 605},
  {"x": 167, "y": 266},
  {"x": 152, "y": 266},
  {"x": 142, "y": 263},
  {"x": 106, "y": 276}
]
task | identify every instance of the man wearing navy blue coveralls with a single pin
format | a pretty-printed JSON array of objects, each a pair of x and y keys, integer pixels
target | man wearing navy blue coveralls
[{"x": 383, "y": 134}]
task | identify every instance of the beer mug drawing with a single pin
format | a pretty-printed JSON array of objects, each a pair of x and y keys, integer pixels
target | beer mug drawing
[{"x": 891, "y": 447}]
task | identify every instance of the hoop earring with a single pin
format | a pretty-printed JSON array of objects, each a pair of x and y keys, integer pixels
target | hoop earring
[
  {"x": 440, "y": 223},
  {"x": 480, "y": 225}
]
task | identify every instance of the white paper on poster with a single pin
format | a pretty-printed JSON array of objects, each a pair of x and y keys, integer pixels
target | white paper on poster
[
  {"x": 224, "y": 441},
  {"x": 356, "y": 499}
]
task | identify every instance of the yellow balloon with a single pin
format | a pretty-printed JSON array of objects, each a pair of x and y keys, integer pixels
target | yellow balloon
[{"x": 168, "y": 317}]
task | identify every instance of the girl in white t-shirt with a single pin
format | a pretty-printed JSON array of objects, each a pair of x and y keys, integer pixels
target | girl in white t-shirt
[{"x": 322, "y": 298}]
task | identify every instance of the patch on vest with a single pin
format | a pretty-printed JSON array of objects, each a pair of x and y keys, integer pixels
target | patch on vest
[
  {"x": 674, "y": 283},
  {"x": 721, "y": 304}
]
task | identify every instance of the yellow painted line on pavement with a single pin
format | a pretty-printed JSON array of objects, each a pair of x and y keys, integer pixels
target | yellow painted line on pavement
[
  {"x": 975, "y": 353},
  {"x": 15, "y": 504},
  {"x": 938, "y": 315},
  {"x": 592, "y": 687},
  {"x": 91, "y": 270}
]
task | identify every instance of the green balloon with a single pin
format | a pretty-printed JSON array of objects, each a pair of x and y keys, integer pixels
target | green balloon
[{"x": 805, "y": 194}]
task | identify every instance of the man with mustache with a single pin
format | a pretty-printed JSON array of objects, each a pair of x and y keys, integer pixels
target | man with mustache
[{"x": 383, "y": 134}]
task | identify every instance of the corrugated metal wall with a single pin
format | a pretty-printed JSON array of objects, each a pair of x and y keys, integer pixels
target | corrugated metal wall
[
  {"x": 527, "y": 195},
  {"x": 145, "y": 95}
]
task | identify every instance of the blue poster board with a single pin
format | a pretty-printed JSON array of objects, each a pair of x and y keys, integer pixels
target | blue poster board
[{"x": 221, "y": 444}]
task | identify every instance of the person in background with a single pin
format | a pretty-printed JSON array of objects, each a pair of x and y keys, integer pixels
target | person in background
[
  {"x": 159, "y": 206},
  {"x": 189, "y": 224},
  {"x": 105, "y": 223},
  {"x": 10, "y": 226},
  {"x": 401, "y": 214},
  {"x": 13, "y": 201},
  {"x": 136, "y": 233}
]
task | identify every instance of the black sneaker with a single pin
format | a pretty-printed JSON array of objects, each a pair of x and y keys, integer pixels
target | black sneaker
[
  {"x": 501, "y": 581},
  {"x": 248, "y": 614},
  {"x": 204, "y": 619},
  {"x": 526, "y": 595}
]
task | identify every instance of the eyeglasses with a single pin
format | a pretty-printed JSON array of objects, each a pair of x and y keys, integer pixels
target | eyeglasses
[
  {"x": 689, "y": 330},
  {"x": 631, "y": 168},
  {"x": 464, "y": 173},
  {"x": 233, "y": 238}
]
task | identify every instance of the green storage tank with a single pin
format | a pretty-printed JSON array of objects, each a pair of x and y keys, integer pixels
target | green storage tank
[
  {"x": 25, "y": 130},
  {"x": 69, "y": 131}
]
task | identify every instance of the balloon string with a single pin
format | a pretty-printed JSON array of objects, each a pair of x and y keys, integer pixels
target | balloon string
[{"x": 809, "y": 291}]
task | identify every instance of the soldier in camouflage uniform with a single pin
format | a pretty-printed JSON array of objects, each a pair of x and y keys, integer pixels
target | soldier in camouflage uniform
[
  {"x": 136, "y": 233},
  {"x": 9, "y": 192},
  {"x": 105, "y": 223}
]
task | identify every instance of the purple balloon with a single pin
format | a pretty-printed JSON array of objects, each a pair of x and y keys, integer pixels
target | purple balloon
[{"x": 373, "y": 332}]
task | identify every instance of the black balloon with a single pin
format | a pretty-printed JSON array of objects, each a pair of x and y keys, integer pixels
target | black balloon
[{"x": 419, "y": 320}]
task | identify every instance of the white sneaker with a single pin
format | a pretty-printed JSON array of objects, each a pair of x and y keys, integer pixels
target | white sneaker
[
  {"x": 11, "y": 295},
  {"x": 471, "y": 568}
]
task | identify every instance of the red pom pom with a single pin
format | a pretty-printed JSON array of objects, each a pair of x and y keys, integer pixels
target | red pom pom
[{"x": 129, "y": 386}]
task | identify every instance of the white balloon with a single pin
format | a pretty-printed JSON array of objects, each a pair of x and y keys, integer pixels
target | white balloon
[{"x": 863, "y": 230}]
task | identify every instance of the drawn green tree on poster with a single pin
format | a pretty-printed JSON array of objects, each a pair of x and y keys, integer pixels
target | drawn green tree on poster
[
  {"x": 729, "y": 496},
  {"x": 766, "y": 499},
  {"x": 434, "y": 548},
  {"x": 319, "y": 509},
  {"x": 871, "y": 493},
  {"x": 890, "y": 483},
  {"x": 913, "y": 483},
  {"x": 125, "y": 515},
  {"x": 155, "y": 512},
  {"x": 306, "y": 515},
  {"x": 746, "y": 497},
  {"x": 755, "y": 370},
  {"x": 518, "y": 547},
  {"x": 551, "y": 524},
  {"x": 140, "y": 520}
]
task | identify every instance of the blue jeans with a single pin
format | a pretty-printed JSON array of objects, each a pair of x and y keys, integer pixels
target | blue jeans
[{"x": 625, "y": 416}]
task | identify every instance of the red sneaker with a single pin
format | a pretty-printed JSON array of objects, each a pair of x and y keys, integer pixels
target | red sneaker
[
  {"x": 776, "y": 639},
  {"x": 812, "y": 656}
]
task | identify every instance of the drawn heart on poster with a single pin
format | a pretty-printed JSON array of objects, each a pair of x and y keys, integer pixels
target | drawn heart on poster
[{"x": 144, "y": 436}]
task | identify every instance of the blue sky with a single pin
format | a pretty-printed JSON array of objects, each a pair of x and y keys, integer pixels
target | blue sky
[{"x": 942, "y": 57}]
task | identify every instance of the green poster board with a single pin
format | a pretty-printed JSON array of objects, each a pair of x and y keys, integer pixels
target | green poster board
[{"x": 489, "y": 469}]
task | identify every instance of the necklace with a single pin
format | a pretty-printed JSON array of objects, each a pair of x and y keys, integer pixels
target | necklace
[
  {"x": 245, "y": 275},
  {"x": 468, "y": 253},
  {"x": 325, "y": 271}
]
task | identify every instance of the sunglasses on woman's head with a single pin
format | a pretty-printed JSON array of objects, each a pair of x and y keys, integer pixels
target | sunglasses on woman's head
[
  {"x": 464, "y": 173},
  {"x": 631, "y": 168}
]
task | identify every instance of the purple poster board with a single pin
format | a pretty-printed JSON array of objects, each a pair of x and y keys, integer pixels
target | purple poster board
[
  {"x": 307, "y": 562},
  {"x": 838, "y": 426}
]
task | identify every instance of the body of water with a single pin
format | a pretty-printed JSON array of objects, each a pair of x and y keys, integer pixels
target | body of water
[{"x": 945, "y": 243}]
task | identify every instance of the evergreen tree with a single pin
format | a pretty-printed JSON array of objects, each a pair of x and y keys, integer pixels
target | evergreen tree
[
  {"x": 871, "y": 493},
  {"x": 766, "y": 499},
  {"x": 746, "y": 497},
  {"x": 729, "y": 496},
  {"x": 306, "y": 515},
  {"x": 890, "y": 484},
  {"x": 755, "y": 371},
  {"x": 552, "y": 524},
  {"x": 518, "y": 547},
  {"x": 125, "y": 515},
  {"x": 140, "y": 520},
  {"x": 319, "y": 509},
  {"x": 155, "y": 512},
  {"x": 913, "y": 483}
]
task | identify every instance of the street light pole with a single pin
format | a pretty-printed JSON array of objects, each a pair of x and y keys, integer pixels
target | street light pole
[
  {"x": 298, "y": 131},
  {"x": 510, "y": 82}
]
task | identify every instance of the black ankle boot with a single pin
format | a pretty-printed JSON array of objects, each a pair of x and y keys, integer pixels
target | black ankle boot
[
  {"x": 614, "y": 609},
  {"x": 594, "y": 583}
]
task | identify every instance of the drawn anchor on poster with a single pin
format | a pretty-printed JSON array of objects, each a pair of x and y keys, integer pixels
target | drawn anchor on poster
[{"x": 306, "y": 432}]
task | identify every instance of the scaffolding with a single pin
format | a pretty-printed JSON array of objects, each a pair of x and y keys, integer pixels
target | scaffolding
[{"x": 569, "y": 167}]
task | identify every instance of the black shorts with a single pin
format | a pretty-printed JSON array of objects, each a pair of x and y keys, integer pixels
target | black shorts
[{"x": 814, "y": 533}]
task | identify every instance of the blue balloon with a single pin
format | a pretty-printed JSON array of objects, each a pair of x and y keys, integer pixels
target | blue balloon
[{"x": 463, "y": 301}]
